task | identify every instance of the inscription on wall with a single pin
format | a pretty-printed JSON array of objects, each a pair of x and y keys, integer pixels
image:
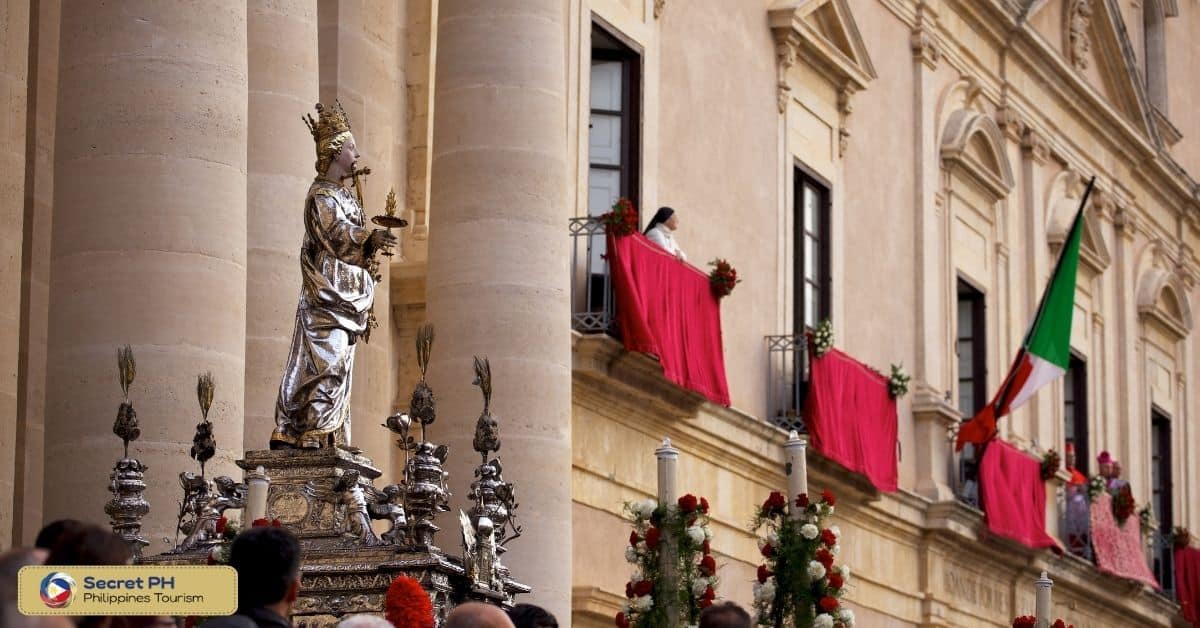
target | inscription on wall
[{"x": 970, "y": 588}]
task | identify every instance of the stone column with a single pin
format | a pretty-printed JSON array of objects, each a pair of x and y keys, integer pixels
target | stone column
[
  {"x": 14, "y": 84},
  {"x": 149, "y": 244},
  {"x": 283, "y": 85},
  {"x": 498, "y": 278}
]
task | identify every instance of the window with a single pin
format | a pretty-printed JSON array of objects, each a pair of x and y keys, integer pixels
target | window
[
  {"x": 1075, "y": 411},
  {"x": 613, "y": 142},
  {"x": 972, "y": 350},
  {"x": 1160, "y": 493},
  {"x": 812, "y": 270}
]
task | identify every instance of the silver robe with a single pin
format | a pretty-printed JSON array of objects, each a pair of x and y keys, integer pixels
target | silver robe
[{"x": 313, "y": 409}]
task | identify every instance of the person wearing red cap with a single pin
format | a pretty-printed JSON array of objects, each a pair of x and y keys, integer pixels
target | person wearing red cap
[
  {"x": 1078, "y": 512},
  {"x": 1076, "y": 476}
]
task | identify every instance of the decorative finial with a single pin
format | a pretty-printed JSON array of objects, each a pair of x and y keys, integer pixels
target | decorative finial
[
  {"x": 127, "y": 368},
  {"x": 487, "y": 429},
  {"x": 204, "y": 445},
  {"x": 423, "y": 407},
  {"x": 204, "y": 393},
  {"x": 126, "y": 425}
]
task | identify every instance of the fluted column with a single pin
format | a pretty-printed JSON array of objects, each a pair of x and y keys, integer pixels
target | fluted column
[
  {"x": 149, "y": 244},
  {"x": 14, "y": 65},
  {"x": 498, "y": 279},
  {"x": 283, "y": 85}
]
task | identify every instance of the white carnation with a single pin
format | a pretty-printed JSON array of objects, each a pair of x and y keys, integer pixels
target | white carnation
[
  {"x": 764, "y": 592},
  {"x": 771, "y": 537},
  {"x": 631, "y": 554},
  {"x": 836, "y": 530},
  {"x": 699, "y": 586},
  {"x": 848, "y": 617},
  {"x": 707, "y": 533},
  {"x": 823, "y": 621},
  {"x": 696, "y": 534},
  {"x": 626, "y": 608},
  {"x": 845, "y": 571},
  {"x": 835, "y": 550},
  {"x": 644, "y": 508},
  {"x": 643, "y": 603},
  {"x": 636, "y": 576},
  {"x": 816, "y": 570},
  {"x": 809, "y": 531}
]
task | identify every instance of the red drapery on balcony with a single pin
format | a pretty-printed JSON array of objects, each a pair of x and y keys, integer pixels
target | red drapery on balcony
[
  {"x": 1119, "y": 548},
  {"x": 851, "y": 418},
  {"x": 1187, "y": 583},
  {"x": 1013, "y": 495},
  {"x": 665, "y": 307}
]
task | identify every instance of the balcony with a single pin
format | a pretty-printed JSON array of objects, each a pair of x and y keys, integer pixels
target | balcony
[
  {"x": 592, "y": 306},
  {"x": 787, "y": 380}
]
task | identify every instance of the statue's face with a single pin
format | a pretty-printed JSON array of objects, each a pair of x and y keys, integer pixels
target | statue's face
[{"x": 349, "y": 155}]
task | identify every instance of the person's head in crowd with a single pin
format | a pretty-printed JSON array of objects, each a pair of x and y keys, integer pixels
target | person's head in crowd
[
  {"x": 53, "y": 531},
  {"x": 477, "y": 615},
  {"x": 664, "y": 216},
  {"x": 89, "y": 544},
  {"x": 364, "y": 621},
  {"x": 267, "y": 560},
  {"x": 1105, "y": 464},
  {"x": 11, "y": 563},
  {"x": 725, "y": 615},
  {"x": 1069, "y": 455},
  {"x": 1116, "y": 469},
  {"x": 531, "y": 616}
]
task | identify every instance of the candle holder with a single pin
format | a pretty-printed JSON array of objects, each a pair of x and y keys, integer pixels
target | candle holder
[{"x": 127, "y": 482}]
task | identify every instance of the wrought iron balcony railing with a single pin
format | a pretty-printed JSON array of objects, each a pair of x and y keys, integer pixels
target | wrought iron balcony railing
[
  {"x": 592, "y": 305},
  {"x": 787, "y": 380},
  {"x": 1162, "y": 560}
]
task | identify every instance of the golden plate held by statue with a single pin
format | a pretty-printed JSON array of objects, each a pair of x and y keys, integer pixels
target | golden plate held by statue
[{"x": 389, "y": 222}]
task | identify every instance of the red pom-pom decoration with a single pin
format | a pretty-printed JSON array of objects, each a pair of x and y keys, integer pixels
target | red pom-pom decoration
[
  {"x": 407, "y": 605},
  {"x": 829, "y": 604}
]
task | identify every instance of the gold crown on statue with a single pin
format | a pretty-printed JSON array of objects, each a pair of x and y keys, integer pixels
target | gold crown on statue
[{"x": 330, "y": 122}]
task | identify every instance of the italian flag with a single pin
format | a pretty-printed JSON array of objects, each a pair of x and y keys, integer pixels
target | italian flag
[{"x": 1046, "y": 351}]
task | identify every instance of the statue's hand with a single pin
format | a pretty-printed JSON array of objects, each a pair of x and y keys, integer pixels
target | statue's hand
[{"x": 381, "y": 239}]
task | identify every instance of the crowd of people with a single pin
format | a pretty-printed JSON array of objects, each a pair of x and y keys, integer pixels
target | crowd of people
[{"x": 267, "y": 560}]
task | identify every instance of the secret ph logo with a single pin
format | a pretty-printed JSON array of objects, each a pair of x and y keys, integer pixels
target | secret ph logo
[{"x": 58, "y": 589}]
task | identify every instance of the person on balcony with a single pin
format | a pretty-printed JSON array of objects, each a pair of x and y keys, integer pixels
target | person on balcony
[
  {"x": 660, "y": 229},
  {"x": 1076, "y": 477},
  {"x": 1077, "y": 512}
]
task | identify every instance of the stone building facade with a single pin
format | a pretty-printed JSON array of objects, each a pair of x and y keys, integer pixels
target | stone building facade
[{"x": 904, "y": 168}]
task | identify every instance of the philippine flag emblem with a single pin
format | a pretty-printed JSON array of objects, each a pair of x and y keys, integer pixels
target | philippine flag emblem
[{"x": 58, "y": 589}]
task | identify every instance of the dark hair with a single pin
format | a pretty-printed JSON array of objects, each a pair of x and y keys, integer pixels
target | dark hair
[
  {"x": 53, "y": 531},
  {"x": 531, "y": 616},
  {"x": 662, "y": 215},
  {"x": 725, "y": 615},
  {"x": 89, "y": 545},
  {"x": 267, "y": 560}
]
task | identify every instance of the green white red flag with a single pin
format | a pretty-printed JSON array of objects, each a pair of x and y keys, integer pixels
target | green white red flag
[{"x": 1046, "y": 351}]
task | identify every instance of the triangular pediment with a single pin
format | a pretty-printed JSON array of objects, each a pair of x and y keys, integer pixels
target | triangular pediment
[
  {"x": 829, "y": 38},
  {"x": 1096, "y": 44}
]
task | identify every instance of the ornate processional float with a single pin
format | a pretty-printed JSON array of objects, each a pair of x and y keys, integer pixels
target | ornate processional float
[{"x": 311, "y": 480}]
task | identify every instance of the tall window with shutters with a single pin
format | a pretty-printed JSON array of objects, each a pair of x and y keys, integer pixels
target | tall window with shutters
[
  {"x": 1075, "y": 411},
  {"x": 972, "y": 350},
  {"x": 812, "y": 272},
  {"x": 1161, "y": 485},
  {"x": 613, "y": 142}
]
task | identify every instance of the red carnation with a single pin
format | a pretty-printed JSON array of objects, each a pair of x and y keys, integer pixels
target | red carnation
[
  {"x": 1024, "y": 621},
  {"x": 645, "y": 587},
  {"x": 824, "y": 557},
  {"x": 622, "y": 621},
  {"x": 275, "y": 523},
  {"x": 802, "y": 500},
  {"x": 828, "y": 537},
  {"x": 829, "y": 604},
  {"x": 653, "y": 535},
  {"x": 705, "y": 548},
  {"x": 827, "y": 495},
  {"x": 704, "y": 505},
  {"x": 688, "y": 503},
  {"x": 768, "y": 551},
  {"x": 634, "y": 538},
  {"x": 407, "y": 605},
  {"x": 708, "y": 565},
  {"x": 764, "y": 573},
  {"x": 221, "y": 523},
  {"x": 704, "y": 603},
  {"x": 629, "y": 589},
  {"x": 835, "y": 581},
  {"x": 775, "y": 503},
  {"x": 709, "y": 594},
  {"x": 260, "y": 522}
]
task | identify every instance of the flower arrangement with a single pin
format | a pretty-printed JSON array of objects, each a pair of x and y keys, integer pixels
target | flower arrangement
[
  {"x": 407, "y": 605},
  {"x": 822, "y": 337},
  {"x": 685, "y": 526},
  {"x": 1123, "y": 504},
  {"x": 898, "y": 381},
  {"x": 622, "y": 220},
  {"x": 798, "y": 584},
  {"x": 1181, "y": 538},
  {"x": 1146, "y": 518},
  {"x": 1096, "y": 486},
  {"x": 1029, "y": 621},
  {"x": 722, "y": 278},
  {"x": 1051, "y": 462}
]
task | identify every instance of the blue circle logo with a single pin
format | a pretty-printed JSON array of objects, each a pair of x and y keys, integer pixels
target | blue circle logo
[{"x": 58, "y": 589}]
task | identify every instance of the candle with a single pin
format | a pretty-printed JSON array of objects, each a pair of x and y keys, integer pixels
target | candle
[
  {"x": 668, "y": 459},
  {"x": 1042, "y": 603},
  {"x": 258, "y": 485},
  {"x": 797, "y": 470}
]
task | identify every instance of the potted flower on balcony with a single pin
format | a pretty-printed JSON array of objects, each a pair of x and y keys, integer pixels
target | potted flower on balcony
[{"x": 622, "y": 220}]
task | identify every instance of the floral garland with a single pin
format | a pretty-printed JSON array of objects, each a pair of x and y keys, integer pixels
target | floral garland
[
  {"x": 797, "y": 583},
  {"x": 1146, "y": 518},
  {"x": 1029, "y": 621},
  {"x": 898, "y": 381},
  {"x": 1096, "y": 486},
  {"x": 1181, "y": 538},
  {"x": 722, "y": 278},
  {"x": 1050, "y": 464},
  {"x": 822, "y": 337},
  {"x": 1123, "y": 504},
  {"x": 622, "y": 220},
  {"x": 685, "y": 525}
]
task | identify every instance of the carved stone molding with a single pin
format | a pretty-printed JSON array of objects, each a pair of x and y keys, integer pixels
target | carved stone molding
[
  {"x": 785, "y": 57},
  {"x": 1034, "y": 145},
  {"x": 659, "y": 5},
  {"x": 1077, "y": 33},
  {"x": 924, "y": 47}
]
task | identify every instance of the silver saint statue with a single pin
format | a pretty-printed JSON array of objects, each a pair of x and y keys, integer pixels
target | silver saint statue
[{"x": 338, "y": 289}]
